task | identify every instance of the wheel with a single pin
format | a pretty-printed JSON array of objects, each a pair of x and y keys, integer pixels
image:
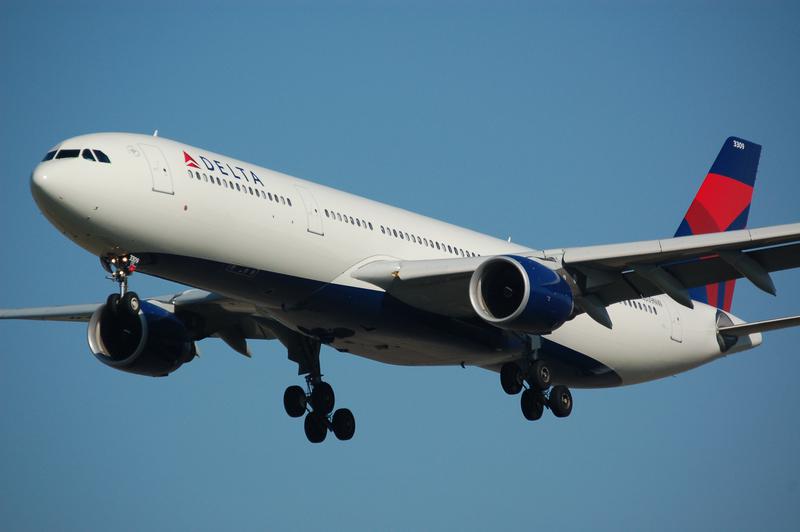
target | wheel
[
  {"x": 560, "y": 401},
  {"x": 540, "y": 376},
  {"x": 112, "y": 303},
  {"x": 532, "y": 404},
  {"x": 344, "y": 424},
  {"x": 294, "y": 401},
  {"x": 316, "y": 427},
  {"x": 322, "y": 398},
  {"x": 511, "y": 378},
  {"x": 130, "y": 303}
]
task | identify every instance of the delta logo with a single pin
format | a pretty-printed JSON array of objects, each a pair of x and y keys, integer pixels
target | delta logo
[{"x": 213, "y": 165}]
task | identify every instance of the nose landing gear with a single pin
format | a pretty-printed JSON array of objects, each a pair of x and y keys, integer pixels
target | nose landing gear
[
  {"x": 121, "y": 267},
  {"x": 535, "y": 396}
]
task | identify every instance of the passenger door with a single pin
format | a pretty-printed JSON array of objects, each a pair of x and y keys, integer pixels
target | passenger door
[
  {"x": 162, "y": 179},
  {"x": 313, "y": 216},
  {"x": 674, "y": 312}
]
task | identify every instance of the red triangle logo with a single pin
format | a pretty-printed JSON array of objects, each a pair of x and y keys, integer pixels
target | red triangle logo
[{"x": 190, "y": 162}]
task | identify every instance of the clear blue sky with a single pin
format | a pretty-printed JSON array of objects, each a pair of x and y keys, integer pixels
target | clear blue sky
[{"x": 557, "y": 125}]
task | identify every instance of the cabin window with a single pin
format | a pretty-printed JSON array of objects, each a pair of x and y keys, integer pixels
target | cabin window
[
  {"x": 87, "y": 154},
  {"x": 102, "y": 157},
  {"x": 49, "y": 155}
]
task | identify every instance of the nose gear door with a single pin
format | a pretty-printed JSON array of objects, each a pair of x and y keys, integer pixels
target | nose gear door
[
  {"x": 162, "y": 179},
  {"x": 313, "y": 216}
]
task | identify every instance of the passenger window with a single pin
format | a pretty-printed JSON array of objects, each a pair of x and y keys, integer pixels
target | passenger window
[
  {"x": 251, "y": 190},
  {"x": 219, "y": 182},
  {"x": 87, "y": 154},
  {"x": 67, "y": 154},
  {"x": 383, "y": 230},
  {"x": 326, "y": 213},
  {"x": 358, "y": 222},
  {"x": 339, "y": 216},
  {"x": 191, "y": 175},
  {"x": 437, "y": 245},
  {"x": 289, "y": 202},
  {"x": 370, "y": 225},
  {"x": 49, "y": 155},
  {"x": 238, "y": 188},
  {"x": 283, "y": 200},
  {"x": 197, "y": 175},
  {"x": 102, "y": 157}
]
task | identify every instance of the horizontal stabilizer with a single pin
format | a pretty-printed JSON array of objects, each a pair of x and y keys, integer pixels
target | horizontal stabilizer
[{"x": 745, "y": 329}]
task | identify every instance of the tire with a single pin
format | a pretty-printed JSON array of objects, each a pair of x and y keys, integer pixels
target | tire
[
  {"x": 560, "y": 401},
  {"x": 540, "y": 376},
  {"x": 316, "y": 427},
  {"x": 532, "y": 404},
  {"x": 344, "y": 424},
  {"x": 130, "y": 303},
  {"x": 323, "y": 398},
  {"x": 112, "y": 303},
  {"x": 294, "y": 401},
  {"x": 511, "y": 378}
]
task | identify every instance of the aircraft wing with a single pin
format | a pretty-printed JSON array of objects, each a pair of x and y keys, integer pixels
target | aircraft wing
[
  {"x": 212, "y": 316},
  {"x": 606, "y": 274},
  {"x": 62, "y": 313}
]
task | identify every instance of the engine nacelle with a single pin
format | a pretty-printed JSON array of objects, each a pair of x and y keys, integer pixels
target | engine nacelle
[
  {"x": 520, "y": 294},
  {"x": 155, "y": 342}
]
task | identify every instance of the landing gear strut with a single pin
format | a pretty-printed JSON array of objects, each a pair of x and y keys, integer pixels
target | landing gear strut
[
  {"x": 121, "y": 267},
  {"x": 536, "y": 378},
  {"x": 317, "y": 401}
]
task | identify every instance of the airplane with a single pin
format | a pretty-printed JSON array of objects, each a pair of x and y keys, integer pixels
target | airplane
[{"x": 270, "y": 256}]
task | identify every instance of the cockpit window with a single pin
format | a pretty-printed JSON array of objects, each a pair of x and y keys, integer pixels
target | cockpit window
[
  {"x": 102, "y": 157},
  {"x": 67, "y": 154},
  {"x": 49, "y": 155},
  {"x": 87, "y": 154}
]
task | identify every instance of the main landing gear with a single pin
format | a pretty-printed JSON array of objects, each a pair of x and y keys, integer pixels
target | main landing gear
[
  {"x": 121, "y": 267},
  {"x": 317, "y": 400},
  {"x": 536, "y": 379},
  {"x": 317, "y": 404}
]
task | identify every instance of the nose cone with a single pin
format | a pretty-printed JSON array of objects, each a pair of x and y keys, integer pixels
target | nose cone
[
  {"x": 41, "y": 185},
  {"x": 49, "y": 189}
]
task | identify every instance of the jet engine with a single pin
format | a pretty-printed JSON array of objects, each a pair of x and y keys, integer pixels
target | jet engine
[
  {"x": 520, "y": 294},
  {"x": 153, "y": 342}
]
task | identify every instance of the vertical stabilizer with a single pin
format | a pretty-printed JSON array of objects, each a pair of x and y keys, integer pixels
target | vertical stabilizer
[{"x": 722, "y": 204}]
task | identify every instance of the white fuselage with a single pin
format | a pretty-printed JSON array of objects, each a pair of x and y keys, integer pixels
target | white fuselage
[{"x": 289, "y": 245}]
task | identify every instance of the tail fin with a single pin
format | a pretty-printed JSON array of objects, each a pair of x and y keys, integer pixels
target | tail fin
[{"x": 722, "y": 204}]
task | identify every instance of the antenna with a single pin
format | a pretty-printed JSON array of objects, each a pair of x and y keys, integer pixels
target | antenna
[
  {"x": 509, "y": 238},
  {"x": 155, "y": 133}
]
